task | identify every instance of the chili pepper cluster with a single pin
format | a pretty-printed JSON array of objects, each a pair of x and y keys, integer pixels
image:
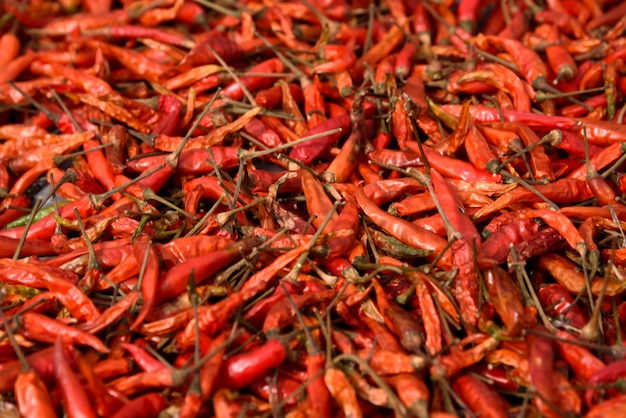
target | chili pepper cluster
[{"x": 312, "y": 208}]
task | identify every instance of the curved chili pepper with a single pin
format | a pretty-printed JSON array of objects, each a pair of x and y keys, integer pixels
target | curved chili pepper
[
  {"x": 402, "y": 230},
  {"x": 41, "y": 328}
]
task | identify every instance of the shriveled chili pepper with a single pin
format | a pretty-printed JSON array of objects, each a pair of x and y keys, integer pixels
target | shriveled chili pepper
[
  {"x": 41, "y": 328},
  {"x": 541, "y": 365},
  {"x": 342, "y": 391},
  {"x": 402, "y": 230},
  {"x": 560, "y": 191},
  {"x": 609, "y": 408},
  {"x": 560, "y": 302},
  {"x": 567, "y": 275},
  {"x": 475, "y": 393},
  {"x": 71, "y": 297}
]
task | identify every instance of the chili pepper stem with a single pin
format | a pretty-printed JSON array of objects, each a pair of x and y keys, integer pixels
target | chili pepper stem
[
  {"x": 98, "y": 200},
  {"x": 93, "y": 260},
  {"x": 67, "y": 112},
  {"x": 20, "y": 245},
  {"x": 218, "y": 8},
  {"x": 9, "y": 333},
  {"x": 312, "y": 347},
  {"x": 304, "y": 80},
  {"x": 524, "y": 183},
  {"x": 53, "y": 117},
  {"x": 557, "y": 95},
  {"x": 249, "y": 155},
  {"x": 523, "y": 277},
  {"x": 540, "y": 83},
  {"x": 145, "y": 138},
  {"x": 553, "y": 138},
  {"x": 58, "y": 159},
  {"x": 591, "y": 330},
  {"x": 148, "y": 194},
  {"x": 617, "y": 163},
  {"x": 223, "y": 218},
  {"x": 202, "y": 222},
  {"x": 245, "y": 90}
]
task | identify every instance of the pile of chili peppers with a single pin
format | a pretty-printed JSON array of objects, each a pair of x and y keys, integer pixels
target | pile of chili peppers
[{"x": 312, "y": 208}]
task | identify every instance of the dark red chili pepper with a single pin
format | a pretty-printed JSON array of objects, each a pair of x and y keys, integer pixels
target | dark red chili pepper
[
  {"x": 495, "y": 248},
  {"x": 143, "y": 406}
]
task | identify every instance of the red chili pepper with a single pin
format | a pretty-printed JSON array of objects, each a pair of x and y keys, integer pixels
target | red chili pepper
[
  {"x": 41, "y": 363},
  {"x": 99, "y": 165},
  {"x": 610, "y": 408},
  {"x": 79, "y": 305},
  {"x": 560, "y": 303},
  {"x": 479, "y": 397},
  {"x": 241, "y": 369},
  {"x": 507, "y": 299},
  {"x": 272, "y": 97},
  {"x": 453, "y": 168},
  {"x": 144, "y": 406},
  {"x": 146, "y": 257},
  {"x": 308, "y": 151},
  {"x": 174, "y": 281},
  {"x": 257, "y": 314},
  {"x": 253, "y": 83},
  {"x": 33, "y": 399},
  {"x": 402, "y": 230},
  {"x": 283, "y": 312},
  {"x": 171, "y": 109},
  {"x": 483, "y": 114},
  {"x": 104, "y": 403},
  {"x": 75, "y": 399},
  {"x": 584, "y": 363},
  {"x": 561, "y": 191},
  {"x": 344, "y": 163},
  {"x": 41, "y": 328}
]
